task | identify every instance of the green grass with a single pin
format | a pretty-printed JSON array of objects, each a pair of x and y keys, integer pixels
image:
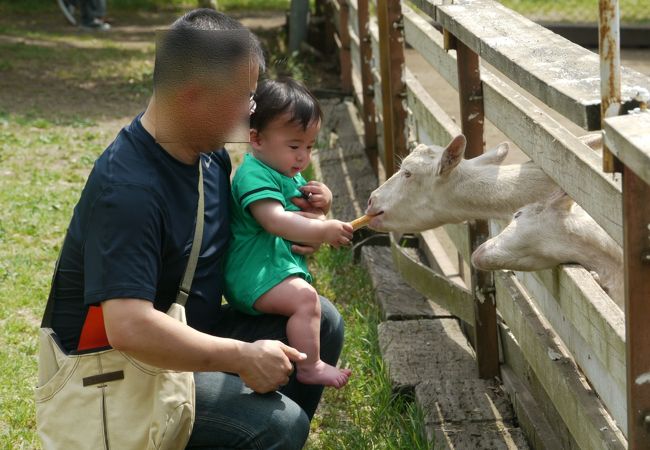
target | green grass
[
  {"x": 42, "y": 167},
  {"x": 31, "y": 6},
  {"x": 578, "y": 11},
  {"x": 366, "y": 414}
]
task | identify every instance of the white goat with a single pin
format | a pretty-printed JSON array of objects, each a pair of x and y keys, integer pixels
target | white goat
[
  {"x": 436, "y": 186},
  {"x": 551, "y": 232}
]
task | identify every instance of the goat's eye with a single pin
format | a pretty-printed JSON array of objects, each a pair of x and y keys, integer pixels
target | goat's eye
[
  {"x": 407, "y": 174},
  {"x": 517, "y": 214}
]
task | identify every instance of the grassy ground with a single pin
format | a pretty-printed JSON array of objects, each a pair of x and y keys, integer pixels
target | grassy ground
[
  {"x": 578, "y": 11},
  {"x": 63, "y": 97}
]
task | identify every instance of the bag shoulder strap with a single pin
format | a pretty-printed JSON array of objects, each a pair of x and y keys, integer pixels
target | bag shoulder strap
[{"x": 188, "y": 276}]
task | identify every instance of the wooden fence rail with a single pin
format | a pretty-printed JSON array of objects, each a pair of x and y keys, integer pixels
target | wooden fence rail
[{"x": 557, "y": 323}]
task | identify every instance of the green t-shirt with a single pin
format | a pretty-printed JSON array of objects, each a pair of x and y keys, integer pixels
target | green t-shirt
[{"x": 258, "y": 260}]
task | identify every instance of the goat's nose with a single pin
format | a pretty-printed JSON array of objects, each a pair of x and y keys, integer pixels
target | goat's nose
[{"x": 369, "y": 202}]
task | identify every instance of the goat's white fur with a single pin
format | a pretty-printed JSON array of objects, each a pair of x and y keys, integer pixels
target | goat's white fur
[
  {"x": 555, "y": 231},
  {"x": 436, "y": 186}
]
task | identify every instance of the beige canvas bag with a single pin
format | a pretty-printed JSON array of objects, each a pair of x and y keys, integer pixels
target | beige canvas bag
[{"x": 109, "y": 400}]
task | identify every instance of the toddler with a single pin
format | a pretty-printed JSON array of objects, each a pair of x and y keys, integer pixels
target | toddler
[{"x": 263, "y": 275}]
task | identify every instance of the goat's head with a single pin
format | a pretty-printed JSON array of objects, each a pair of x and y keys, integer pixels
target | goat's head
[
  {"x": 534, "y": 240},
  {"x": 420, "y": 195}
]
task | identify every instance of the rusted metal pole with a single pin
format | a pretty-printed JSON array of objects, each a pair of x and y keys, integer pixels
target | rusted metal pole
[
  {"x": 609, "y": 48},
  {"x": 391, "y": 49},
  {"x": 368, "y": 113},
  {"x": 470, "y": 91},
  {"x": 344, "y": 51},
  {"x": 636, "y": 235}
]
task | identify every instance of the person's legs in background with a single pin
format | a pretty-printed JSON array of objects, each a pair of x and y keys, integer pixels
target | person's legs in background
[{"x": 92, "y": 13}]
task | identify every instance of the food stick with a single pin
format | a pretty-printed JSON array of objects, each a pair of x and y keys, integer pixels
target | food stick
[{"x": 360, "y": 222}]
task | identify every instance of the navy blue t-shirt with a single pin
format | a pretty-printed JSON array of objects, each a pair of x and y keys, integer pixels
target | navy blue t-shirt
[{"x": 132, "y": 229}]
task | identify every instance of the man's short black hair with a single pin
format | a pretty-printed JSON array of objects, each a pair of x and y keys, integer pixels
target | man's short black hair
[
  {"x": 284, "y": 95},
  {"x": 204, "y": 42}
]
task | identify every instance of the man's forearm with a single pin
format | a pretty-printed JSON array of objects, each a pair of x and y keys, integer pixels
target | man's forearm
[{"x": 136, "y": 328}]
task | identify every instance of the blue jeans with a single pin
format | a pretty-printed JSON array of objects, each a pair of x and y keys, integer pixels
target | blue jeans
[
  {"x": 92, "y": 9},
  {"x": 230, "y": 415}
]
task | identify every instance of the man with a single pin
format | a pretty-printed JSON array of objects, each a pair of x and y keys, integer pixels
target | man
[{"x": 129, "y": 238}]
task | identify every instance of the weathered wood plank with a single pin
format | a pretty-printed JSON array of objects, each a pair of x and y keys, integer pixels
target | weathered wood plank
[
  {"x": 628, "y": 137},
  {"x": 437, "y": 287},
  {"x": 424, "y": 38},
  {"x": 529, "y": 417},
  {"x": 430, "y": 118},
  {"x": 458, "y": 235},
  {"x": 581, "y": 411},
  {"x": 560, "y": 73},
  {"x": 438, "y": 257},
  {"x": 336, "y": 15},
  {"x": 513, "y": 358},
  {"x": 567, "y": 311}
]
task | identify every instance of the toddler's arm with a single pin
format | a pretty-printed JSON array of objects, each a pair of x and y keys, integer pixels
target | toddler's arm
[{"x": 294, "y": 227}]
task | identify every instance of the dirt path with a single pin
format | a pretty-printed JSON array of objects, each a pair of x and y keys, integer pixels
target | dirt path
[{"x": 60, "y": 74}]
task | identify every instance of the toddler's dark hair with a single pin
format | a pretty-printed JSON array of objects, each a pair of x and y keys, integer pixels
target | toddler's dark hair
[{"x": 284, "y": 95}]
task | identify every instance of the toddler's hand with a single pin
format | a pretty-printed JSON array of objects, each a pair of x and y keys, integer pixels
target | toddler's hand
[
  {"x": 318, "y": 195},
  {"x": 337, "y": 233}
]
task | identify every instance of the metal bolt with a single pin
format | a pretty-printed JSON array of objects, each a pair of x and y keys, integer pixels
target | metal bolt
[{"x": 645, "y": 256}]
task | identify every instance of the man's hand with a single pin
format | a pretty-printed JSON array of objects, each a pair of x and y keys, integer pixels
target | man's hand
[{"x": 267, "y": 365}]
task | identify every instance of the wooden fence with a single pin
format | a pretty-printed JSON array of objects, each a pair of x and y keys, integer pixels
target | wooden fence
[{"x": 552, "y": 335}]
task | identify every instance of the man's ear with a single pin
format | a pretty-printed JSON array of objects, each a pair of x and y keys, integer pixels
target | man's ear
[
  {"x": 452, "y": 155},
  {"x": 255, "y": 139}
]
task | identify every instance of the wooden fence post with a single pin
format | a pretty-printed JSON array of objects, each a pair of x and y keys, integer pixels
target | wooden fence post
[
  {"x": 393, "y": 95},
  {"x": 368, "y": 113},
  {"x": 344, "y": 47},
  {"x": 636, "y": 235},
  {"x": 470, "y": 91}
]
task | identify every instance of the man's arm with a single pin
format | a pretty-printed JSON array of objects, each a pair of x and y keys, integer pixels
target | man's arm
[{"x": 136, "y": 328}]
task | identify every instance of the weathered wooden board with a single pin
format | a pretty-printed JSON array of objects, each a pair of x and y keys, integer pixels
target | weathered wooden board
[
  {"x": 430, "y": 118},
  {"x": 560, "y": 73},
  {"x": 586, "y": 335},
  {"x": 581, "y": 410},
  {"x": 537, "y": 428},
  {"x": 336, "y": 15},
  {"x": 628, "y": 137},
  {"x": 457, "y": 232},
  {"x": 451, "y": 296},
  {"x": 438, "y": 257},
  {"x": 428, "y": 41},
  {"x": 354, "y": 16},
  {"x": 515, "y": 360}
]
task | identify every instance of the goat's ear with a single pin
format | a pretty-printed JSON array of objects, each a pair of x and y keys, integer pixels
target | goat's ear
[
  {"x": 452, "y": 155},
  {"x": 499, "y": 153},
  {"x": 560, "y": 200}
]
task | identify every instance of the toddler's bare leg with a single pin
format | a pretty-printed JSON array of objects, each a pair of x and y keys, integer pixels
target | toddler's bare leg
[{"x": 298, "y": 300}]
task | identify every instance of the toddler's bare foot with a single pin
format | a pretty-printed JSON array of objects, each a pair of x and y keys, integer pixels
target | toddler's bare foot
[{"x": 322, "y": 373}]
